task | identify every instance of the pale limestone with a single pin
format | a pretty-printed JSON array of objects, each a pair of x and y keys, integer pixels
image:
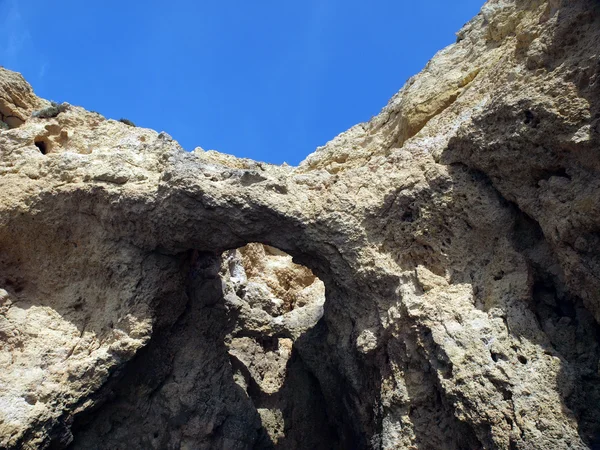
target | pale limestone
[{"x": 456, "y": 235}]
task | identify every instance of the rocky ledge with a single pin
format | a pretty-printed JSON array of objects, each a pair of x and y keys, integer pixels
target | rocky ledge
[{"x": 427, "y": 280}]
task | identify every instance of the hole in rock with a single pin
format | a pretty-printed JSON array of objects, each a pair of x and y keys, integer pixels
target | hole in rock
[
  {"x": 230, "y": 371},
  {"x": 531, "y": 119},
  {"x": 42, "y": 146},
  {"x": 279, "y": 302},
  {"x": 268, "y": 279},
  {"x": 560, "y": 172}
]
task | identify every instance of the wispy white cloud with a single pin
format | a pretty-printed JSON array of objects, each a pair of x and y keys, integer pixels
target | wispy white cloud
[
  {"x": 14, "y": 33},
  {"x": 43, "y": 69},
  {"x": 320, "y": 20}
]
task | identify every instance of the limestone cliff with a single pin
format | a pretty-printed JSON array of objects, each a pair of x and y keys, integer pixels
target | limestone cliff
[{"x": 457, "y": 236}]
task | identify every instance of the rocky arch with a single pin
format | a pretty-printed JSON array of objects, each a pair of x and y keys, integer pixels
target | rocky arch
[
  {"x": 110, "y": 272},
  {"x": 459, "y": 257},
  {"x": 106, "y": 269},
  {"x": 84, "y": 292}
]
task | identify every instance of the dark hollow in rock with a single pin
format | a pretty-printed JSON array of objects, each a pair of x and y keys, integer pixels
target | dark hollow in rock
[
  {"x": 217, "y": 379},
  {"x": 42, "y": 146}
]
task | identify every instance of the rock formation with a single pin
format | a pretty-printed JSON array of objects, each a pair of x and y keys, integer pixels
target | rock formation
[{"x": 457, "y": 235}]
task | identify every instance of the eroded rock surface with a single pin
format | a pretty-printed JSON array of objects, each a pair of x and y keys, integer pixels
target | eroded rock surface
[{"x": 457, "y": 235}]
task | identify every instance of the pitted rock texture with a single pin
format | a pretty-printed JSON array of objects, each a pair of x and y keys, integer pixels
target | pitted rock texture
[{"x": 457, "y": 235}]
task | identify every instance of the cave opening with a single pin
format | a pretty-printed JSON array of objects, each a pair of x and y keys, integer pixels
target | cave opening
[
  {"x": 277, "y": 302},
  {"x": 42, "y": 146},
  {"x": 229, "y": 372}
]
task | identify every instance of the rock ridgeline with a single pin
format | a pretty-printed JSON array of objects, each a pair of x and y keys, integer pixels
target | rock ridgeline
[{"x": 147, "y": 299}]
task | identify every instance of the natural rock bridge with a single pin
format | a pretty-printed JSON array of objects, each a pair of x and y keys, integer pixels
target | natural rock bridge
[{"x": 457, "y": 235}]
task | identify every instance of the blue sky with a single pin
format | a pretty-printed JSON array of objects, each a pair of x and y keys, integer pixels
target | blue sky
[{"x": 265, "y": 79}]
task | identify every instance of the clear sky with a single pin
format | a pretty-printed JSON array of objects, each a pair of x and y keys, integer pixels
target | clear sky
[{"x": 265, "y": 79}]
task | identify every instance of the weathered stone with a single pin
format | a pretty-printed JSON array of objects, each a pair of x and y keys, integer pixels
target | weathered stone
[
  {"x": 457, "y": 235},
  {"x": 17, "y": 100}
]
